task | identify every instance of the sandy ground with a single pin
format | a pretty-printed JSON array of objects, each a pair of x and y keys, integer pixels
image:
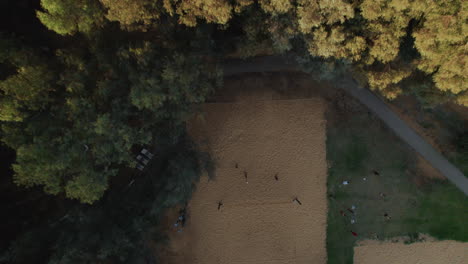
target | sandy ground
[
  {"x": 433, "y": 252},
  {"x": 259, "y": 222}
]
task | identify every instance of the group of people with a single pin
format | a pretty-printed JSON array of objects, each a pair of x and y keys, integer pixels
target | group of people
[
  {"x": 276, "y": 177},
  {"x": 351, "y": 210}
]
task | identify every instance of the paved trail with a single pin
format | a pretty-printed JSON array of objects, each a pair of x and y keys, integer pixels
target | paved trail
[{"x": 366, "y": 97}]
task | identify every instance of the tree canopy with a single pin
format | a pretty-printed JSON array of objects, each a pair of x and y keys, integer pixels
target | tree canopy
[
  {"x": 70, "y": 16},
  {"x": 120, "y": 75},
  {"x": 75, "y": 113},
  {"x": 367, "y": 33},
  {"x": 74, "y": 128}
]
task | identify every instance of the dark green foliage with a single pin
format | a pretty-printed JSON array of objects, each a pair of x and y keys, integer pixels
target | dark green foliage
[
  {"x": 356, "y": 153},
  {"x": 461, "y": 156},
  {"x": 70, "y": 16},
  {"x": 455, "y": 130},
  {"x": 28, "y": 82},
  {"x": 76, "y": 117},
  {"x": 423, "y": 90},
  {"x": 442, "y": 213},
  {"x": 121, "y": 225},
  {"x": 104, "y": 101}
]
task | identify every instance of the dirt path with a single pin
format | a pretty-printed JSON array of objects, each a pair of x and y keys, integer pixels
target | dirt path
[
  {"x": 267, "y": 154},
  {"x": 374, "y": 103},
  {"x": 435, "y": 252}
]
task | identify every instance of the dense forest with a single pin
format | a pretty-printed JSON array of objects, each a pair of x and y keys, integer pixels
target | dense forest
[{"x": 85, "y": 84}]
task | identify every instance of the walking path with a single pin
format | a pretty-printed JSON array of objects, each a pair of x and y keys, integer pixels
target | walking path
[{"x": 374, "y": 103}]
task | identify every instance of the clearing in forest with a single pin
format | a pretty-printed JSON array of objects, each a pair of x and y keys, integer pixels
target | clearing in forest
[{"x": 266, "y": 154}]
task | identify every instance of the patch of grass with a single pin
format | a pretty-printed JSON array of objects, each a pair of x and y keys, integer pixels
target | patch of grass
[
  {"x": 456, "y": 130},
  {"x": 442, "y": 213},
  {"x": 358, "y": 146},
  {"x": 461, "y": 161},
  {"x": 355, "y": 154},
  {"x": 460, "y": 157}
]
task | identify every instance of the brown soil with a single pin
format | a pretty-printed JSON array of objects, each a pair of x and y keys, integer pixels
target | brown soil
[
  {"x": 433, "y": 252},
  {"x": 258, "y": 222},
  {"x": 407, "y": 109},
  {"x": 270, "y": 86},
  {"x": 426, "y": 170},
  {"x": 459, "y": 109}
]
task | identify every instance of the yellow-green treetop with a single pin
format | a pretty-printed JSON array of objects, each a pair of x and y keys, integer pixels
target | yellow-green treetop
[
  {"x": 69, "y": 16},
  {"x": 386, "y": 80},
  {"x": 311, "y": 14},
  {"x": 276, "y": 6},
  {"x": 442, "y": 41},
  {"x": 130, "y": 12},
  {"x": 212, "y": 11}
]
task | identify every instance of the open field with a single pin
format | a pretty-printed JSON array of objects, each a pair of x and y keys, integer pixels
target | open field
[
  {"x": 434, "y": 252},
  {"x": 392, "y": 196},
  {"x": 258, "y": 221}
]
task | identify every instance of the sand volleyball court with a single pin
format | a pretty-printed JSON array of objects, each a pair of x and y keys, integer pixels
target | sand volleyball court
[
  {"x": 267, "y": 154},
  {"x": 431, "y": 252}
]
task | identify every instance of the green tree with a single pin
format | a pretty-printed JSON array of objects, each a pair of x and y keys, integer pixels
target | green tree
[
  {"x": 106, "y": 100},
  {"x": 30, "y": 83},
  {"x": 69, "y": 16},
  {"x": 132, "y": 14},
  {"x": 177, "y": 83},
  {"x": 212, "y": 11}
]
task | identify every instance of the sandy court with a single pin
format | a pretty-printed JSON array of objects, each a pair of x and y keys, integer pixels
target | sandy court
[
  {"x": 258, "y": 222},
  {"x": 433, "y": 252}
]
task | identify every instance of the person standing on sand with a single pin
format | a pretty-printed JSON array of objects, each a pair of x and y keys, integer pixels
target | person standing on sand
[
  {"x": 220, "y": 203},
  {"x": 276, "y": 177},
  {"x": 245, "y": 176},
  {"x": 297, "y": 200}
]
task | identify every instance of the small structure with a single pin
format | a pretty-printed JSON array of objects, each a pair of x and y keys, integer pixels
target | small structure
[
  {"x": 147, "y": 153},
  {"x": 140, "y": 167},
  {"x": 143, "y": 159}
]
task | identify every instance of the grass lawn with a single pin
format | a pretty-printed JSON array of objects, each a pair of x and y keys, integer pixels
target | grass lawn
[{"x": 358, "y": 145}]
